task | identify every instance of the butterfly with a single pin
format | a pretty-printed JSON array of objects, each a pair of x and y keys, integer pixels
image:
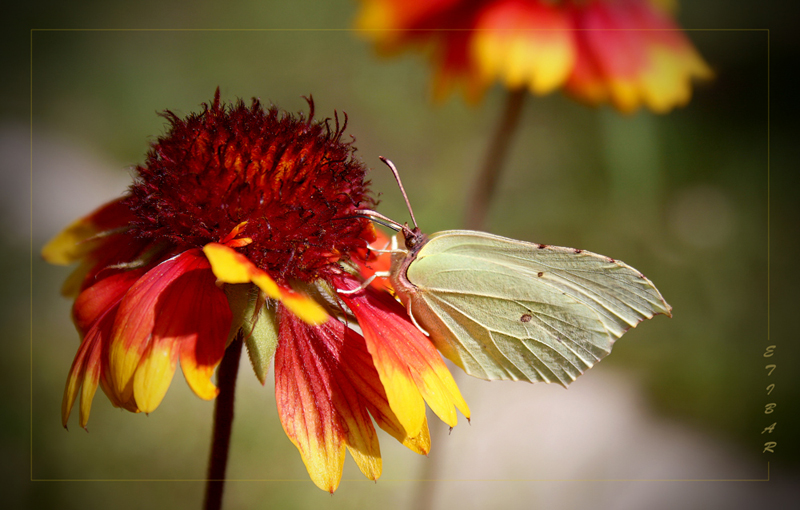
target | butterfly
[{"x": 506, "y": 309}]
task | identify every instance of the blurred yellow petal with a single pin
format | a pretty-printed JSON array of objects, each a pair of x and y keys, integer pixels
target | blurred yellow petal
[
  {"x": 71, "y": 244},
  {"x": 75, "y": 241}
]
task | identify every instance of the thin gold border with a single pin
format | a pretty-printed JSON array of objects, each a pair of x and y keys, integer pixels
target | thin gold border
[{"x": 679, "y": 480}]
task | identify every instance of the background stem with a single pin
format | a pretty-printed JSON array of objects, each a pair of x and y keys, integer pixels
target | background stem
[
  {"x": 486, "y": 183},
  {"x": 223, "y": 422}
]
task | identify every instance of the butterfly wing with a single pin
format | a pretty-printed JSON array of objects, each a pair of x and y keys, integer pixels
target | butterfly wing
[{"x": 506, "y": 309}]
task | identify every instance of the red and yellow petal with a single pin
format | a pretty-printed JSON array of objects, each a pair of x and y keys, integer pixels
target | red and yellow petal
[
  {"x": 229, "y": 266},
  {"x": 174, "y": 306},
  {"x": 75, "y": 241},
  {"x": 193, "y": 321},
  {"x": 388, "y": 21},
  {"x": 305, "y": 405},
  {"x": 356, "y": 363},
  {"x": 94, "y": 312},
  {"x": 84, "y": 374},
  {"x": 327, "y": 387},
  {"x": 672, "y": 64},
  {"x": 115, "y": 253},
  {"x": 632, "y": 54},
  {"x": 205, "y": 307},
  {"x": 410, "y": 368}
]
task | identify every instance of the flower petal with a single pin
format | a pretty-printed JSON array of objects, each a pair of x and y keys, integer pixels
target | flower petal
[
  {"x": 348, "y": 399},
  {"x": 84, "y": 373},
  {"x": 356, "y": 363},
  {"x": 96, "y": 300},
  {"x": 192, "y": 318},
  {"x": 230, "y": 266},
  {"x": 196, "y": 314},
  {"x": 409, "y": 366},
  {"x": 154, "y": 373},
  {"x": 75, "y": 241},
  {"x": 305, "y": 406},
  {"x": 94, "y": 312},
  {"x": 335, "y": 366}
]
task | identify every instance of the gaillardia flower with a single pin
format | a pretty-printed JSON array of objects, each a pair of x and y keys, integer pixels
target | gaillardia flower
[
  {"x": 626, "y": 52},
  {"x": 243, "y": 221}
]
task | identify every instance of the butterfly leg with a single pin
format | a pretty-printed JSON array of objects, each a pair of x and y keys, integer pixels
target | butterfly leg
[
  {"x": 411, "y": 314},
  {"x": 365, "y": 283},
  {"x": 385, "y": 250}
]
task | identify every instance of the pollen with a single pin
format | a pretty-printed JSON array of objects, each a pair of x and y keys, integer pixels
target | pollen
[{"x": 289, "y": 183}]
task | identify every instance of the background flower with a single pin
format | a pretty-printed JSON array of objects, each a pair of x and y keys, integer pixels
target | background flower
[{"x": 626, "y": 52}]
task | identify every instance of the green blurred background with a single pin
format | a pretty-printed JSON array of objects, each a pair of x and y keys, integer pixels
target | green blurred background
[{"x": 682, "y": 197}]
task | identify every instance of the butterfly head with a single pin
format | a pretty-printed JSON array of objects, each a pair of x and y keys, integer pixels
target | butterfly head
[{"x": 414, "y": 238}]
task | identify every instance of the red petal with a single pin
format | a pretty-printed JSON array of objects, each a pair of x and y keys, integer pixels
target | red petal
[
  {"x": 94, "y": 301},
  {"x": 305, "y": 405}
]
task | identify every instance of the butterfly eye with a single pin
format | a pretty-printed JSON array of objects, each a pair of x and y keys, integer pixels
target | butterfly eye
[{"x": 414, "y": 237}]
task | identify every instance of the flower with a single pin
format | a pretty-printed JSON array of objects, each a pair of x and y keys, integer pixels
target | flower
[
  {"x": 626, "y": 52},
  {"x": 243, "y": 221}
]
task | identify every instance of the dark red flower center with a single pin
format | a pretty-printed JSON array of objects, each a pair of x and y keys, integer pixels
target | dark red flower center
[{"x": 293, "y": 180}]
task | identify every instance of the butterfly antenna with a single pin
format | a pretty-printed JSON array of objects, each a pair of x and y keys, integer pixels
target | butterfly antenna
[
  {"x": 379, "y": 218},
  {"x": 402, "y": 190}
]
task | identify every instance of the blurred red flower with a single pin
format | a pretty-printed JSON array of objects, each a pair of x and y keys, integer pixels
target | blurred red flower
[{"x": 626, "y": 52}]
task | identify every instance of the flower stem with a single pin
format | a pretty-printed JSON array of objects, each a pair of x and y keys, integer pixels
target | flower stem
[
  {"x": 486, "y": 183},
  {"x": 223, "y": 422}
]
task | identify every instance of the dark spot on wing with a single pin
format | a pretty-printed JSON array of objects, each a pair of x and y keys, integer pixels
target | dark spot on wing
[
  {"x": 641, "y": 276},
  {"x": 540, "y": 273},
  {"x": 612, "y": 260},
  {"x": 542, "y": 246},
  {"x": 526, "y": 317},
  {"x": 576, "y": 250}
]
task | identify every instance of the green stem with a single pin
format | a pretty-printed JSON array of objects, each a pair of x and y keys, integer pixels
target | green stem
[
  {"x": 223, "y": 423},
  {"x": 486, "y": 183}
]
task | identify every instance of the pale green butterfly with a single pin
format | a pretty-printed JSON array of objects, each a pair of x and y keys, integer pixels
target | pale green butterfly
[{"x": 506, "y": 309}]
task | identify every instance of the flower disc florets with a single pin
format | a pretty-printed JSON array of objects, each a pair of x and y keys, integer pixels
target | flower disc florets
[{"x": 292, "y": 179}]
